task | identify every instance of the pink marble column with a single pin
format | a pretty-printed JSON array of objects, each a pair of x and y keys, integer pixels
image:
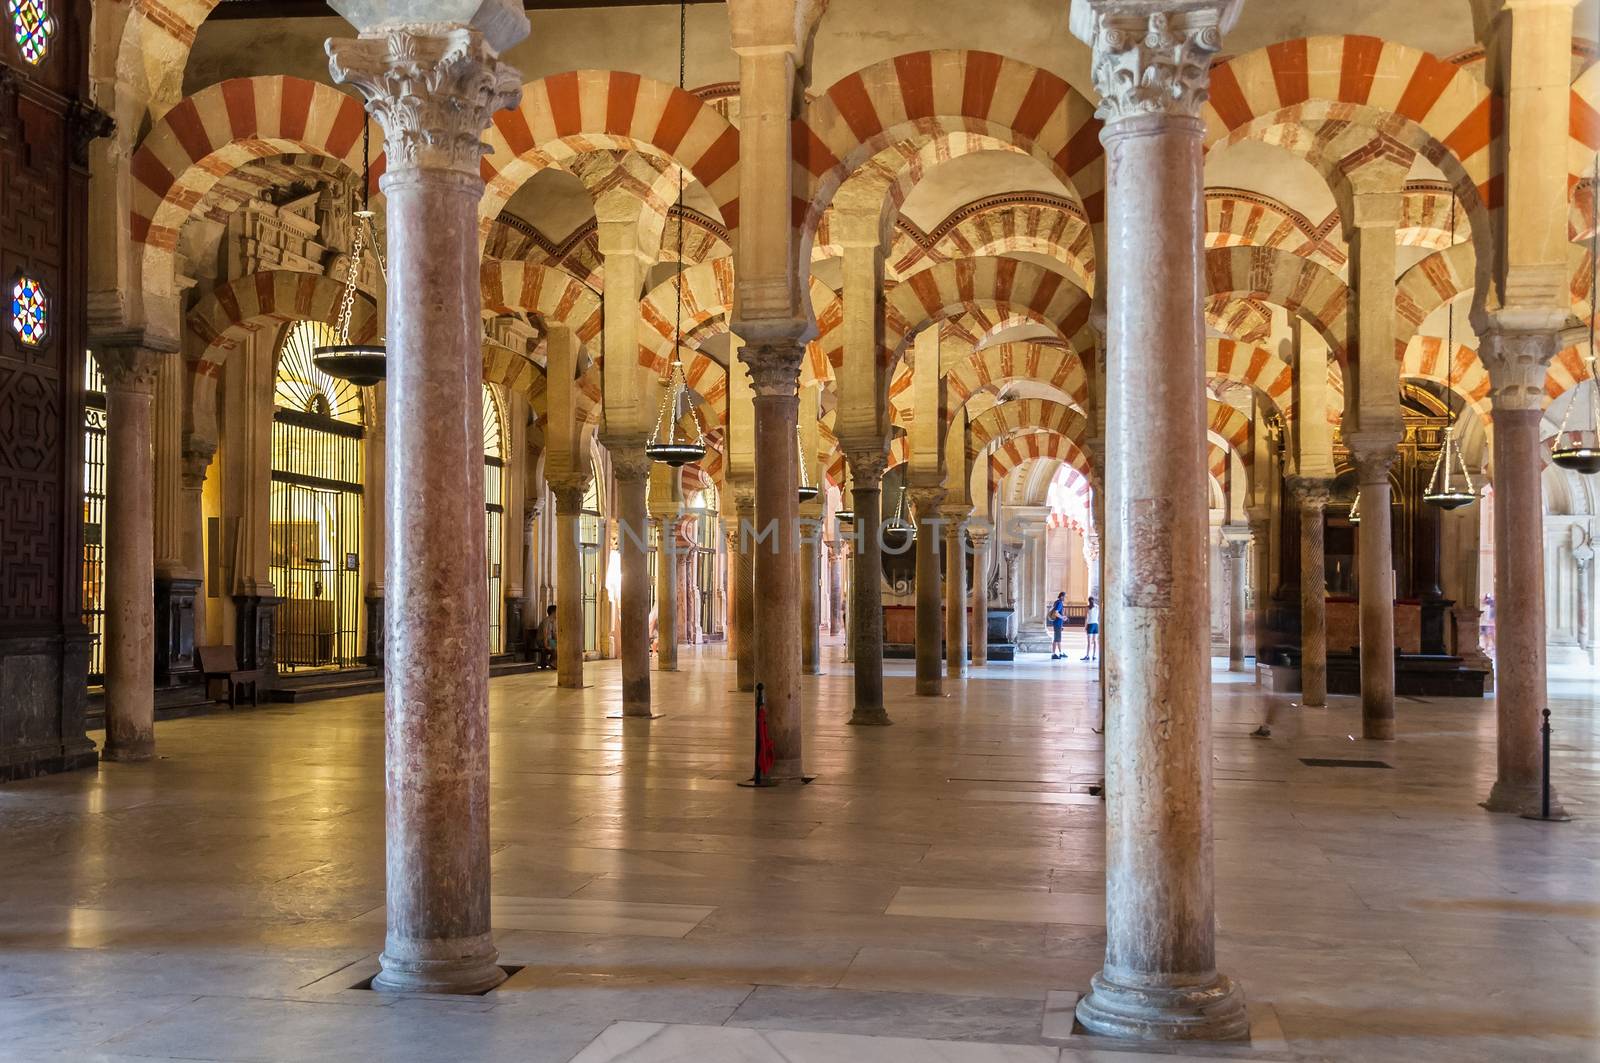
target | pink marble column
[
  {"x": 434, "y": 88},
  {"x": 1311, "y": 495},
  {"x": 1160, "y": 979},
  {"x": 1521, "y": 693},
  {"x": 955, "y": 597},
  {"x": 569, "y": 584},
  {"x": 1375, "y": 569},
  {"x": 130, "y": 651},
  {"x": 775, "y": 376},
  {"x": 866, "y": 588},
  {"x": 930, "y": 591}
]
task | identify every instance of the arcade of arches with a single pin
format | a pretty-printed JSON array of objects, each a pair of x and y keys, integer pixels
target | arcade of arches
[{"x": 1165, "y": 318}]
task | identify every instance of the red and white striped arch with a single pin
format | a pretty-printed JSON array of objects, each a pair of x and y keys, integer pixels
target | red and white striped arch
[
  {"x": 1010, "y": 286},
  {"x": 924, "y": 95},
  {"x": 231, "y": 311},
  {"x": 219, "y": 129},
  {"x": 999, "y": 423},
  {"x": 991, "y": 368},
  {"x": 1426, "y": 358},
  {"x": 1297, "y": 284},
  {"x": 1568, "y": 369},
  {"x": 1429, "y": 284},
  {"x": 1422, "y": 101},
  {"x": 1269, "y": 375},
  {"x": 1039, "y": 445},
  {"x": 580, "y": 111},
  {"x": 1231, "y": 427},
  {"x": 526, "y": 287},
  {"x": 1240, "y": 217}
]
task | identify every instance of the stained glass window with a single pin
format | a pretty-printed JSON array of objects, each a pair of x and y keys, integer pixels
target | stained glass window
[
  {"x": 30, "y": 316},
  {"x": 33, "y": 27}
]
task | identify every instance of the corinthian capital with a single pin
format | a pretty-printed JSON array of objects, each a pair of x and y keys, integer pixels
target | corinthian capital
[
  {"x": 1518, "y": 361},
  {"x": 433, "y": 88},
  {"x": 1152, "y": 56}
]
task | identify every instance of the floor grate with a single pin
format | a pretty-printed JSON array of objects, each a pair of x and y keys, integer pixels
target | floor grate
[{"x": 1336, "y": 762}]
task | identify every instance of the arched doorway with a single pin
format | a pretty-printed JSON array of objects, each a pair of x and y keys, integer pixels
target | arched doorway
[{"x": 315, "y": 507}]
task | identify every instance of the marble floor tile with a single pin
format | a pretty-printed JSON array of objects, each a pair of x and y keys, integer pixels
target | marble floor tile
[
  {"x": 655, "y": 1043},
  {"x": 581, "y": 916},
  {"x": 1003, "y": 905}
]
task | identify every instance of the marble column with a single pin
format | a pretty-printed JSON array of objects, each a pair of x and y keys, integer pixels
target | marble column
[
  {"x": 955, "y": 595},
  {"x": 632, "y": 472},
  {"x": 1261, "y": 579},
  {"x": 1311, "y": 495},
  {"x": 667, "y": 576},
  {"x": 1235, "y": 551},
  {"x": 569, "y": 583},
  {"x": 979, "y": 619},
  {"x": 197, "y": 455},
  {"x": 1375, "y": 571},
  {"x": 130, "y": 649},
  {"x": 775, "y": 377},
  {"x": 742, "y": 569},
  {"x": 1517, "y": 364},
  {"x": 835, "y": 587},
  {"x": 930, "y": 595},
  {"x": 433, "y": 87},
  {"x": 532, "y": 610},
  {"x": 866, "y": 587},
  {"x": 1159, "y": 981},
  {"x": 810, "y": 601}
]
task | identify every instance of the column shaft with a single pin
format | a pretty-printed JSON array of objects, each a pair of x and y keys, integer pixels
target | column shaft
[
  {"x": 866, "y": 593},
  {"x": 1376, "y": 572},
  {"x": 955, "y": 604},
  {"x": 130, "y": 555},
  {"x": 1313, "y": 498},
  {"x": 1160, "y": 979},
  {"x": 930, "y": 596},
  {"x": 667, "y": 596},
  {"x": 979, "y": 620},
  {"x": 810, "y": 604},
  {"x": 742, "y": 567},
  {"x": 777, "y": 565},
  {"x": 569, "y": 586},
  {"x": 632, "y": 473}
]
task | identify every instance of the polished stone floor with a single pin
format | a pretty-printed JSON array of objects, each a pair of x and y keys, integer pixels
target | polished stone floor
[{"x": 933, "y": 895}]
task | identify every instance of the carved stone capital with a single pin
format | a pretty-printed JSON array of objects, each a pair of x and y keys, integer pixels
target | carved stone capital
[
  {"x": 1310, "y": 493},
  {"x": 569, "y": 496},
  {"x": 629, "y": 465},
  {"x": 867, "y": 466},
  {"x": 774, "y": 368},
  {"x": 1518, "y": 361},
  {"x": 1151, "y": 58},
  {"x": 132, "y": 370},
  {"x": 926, "y": 500},
  {"x": 197, "y": 455},
  {"x": 433, "y": 88},
  {"x": 1373, "y": 457}
]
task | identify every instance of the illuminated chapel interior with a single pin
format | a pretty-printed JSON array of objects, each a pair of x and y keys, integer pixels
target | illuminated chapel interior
[{"x": 799, "y": 530}]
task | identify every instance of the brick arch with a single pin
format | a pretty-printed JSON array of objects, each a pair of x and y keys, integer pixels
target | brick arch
[
  {"x": 1000, "y": 422},
  {"x": 922, "y": 95},
  {"x": 525, "y": 287},
  {"x": 1429, "y": 284},
  {"x": 1428, "y": 103},
  {"x": 1568, "y": 369},
  {"x": 1018, "y": 450},
  {"x": 1584, "y": 124},
  {"x": 1266, "y": 373},
  {"x": 580, "y": 111},
  {"x": 1241, "y": 217},
  {"x": 250, "y": 304},
  {"x": 1248, "y": 320},
  {"x": 990, "y": 367},
  {"x": 1299, "y": 285},
  {"x": 1007, "y": 285},
  {"x": 1231, "y": 427},
  {"x": 1426, "y": 358},
  {"x": 217, "y": 130}
]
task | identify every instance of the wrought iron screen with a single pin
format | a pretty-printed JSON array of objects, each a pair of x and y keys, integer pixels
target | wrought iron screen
[{"x": 94, "y": 515}]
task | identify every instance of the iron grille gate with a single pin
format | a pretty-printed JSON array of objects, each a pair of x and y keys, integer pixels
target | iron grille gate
[
  {"x": 94, "y": 517},
  {"x": 316, "y": 539}
]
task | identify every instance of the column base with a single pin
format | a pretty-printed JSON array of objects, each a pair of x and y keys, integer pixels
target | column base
[
  {"x": 470, "y": 970},
  {"x": 870, "y": 717},
  {"x": 1377, "y": 730},
  {"x": 930, "y": 688},
  {"x": 1508, "y": 799},
  {"x": 128, "y": 752},
  {"x": 1213, "y": 1011}
]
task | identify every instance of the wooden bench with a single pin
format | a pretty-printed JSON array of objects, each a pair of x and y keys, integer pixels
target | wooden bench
[{"x": 220, "y": 662}]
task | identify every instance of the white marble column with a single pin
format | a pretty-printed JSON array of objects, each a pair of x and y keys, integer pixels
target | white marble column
[
  {"x": 434, "y": 87},
  {"x": 130, "y": 651},
  {"x": 1234, "y": 552},
  {"x": 1160, "y": 979}
]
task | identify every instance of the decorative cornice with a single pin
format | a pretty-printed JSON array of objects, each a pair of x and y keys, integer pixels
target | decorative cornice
[{"x": 434, "y": 90}]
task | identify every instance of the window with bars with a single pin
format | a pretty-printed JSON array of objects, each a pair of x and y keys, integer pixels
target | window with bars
[
  {"x": 315, "y": 507},
  {"x": 94, "y": 515}
]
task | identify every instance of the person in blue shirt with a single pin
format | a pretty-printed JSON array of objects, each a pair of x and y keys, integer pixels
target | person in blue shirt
[{"x": 1057, "y": 619}]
